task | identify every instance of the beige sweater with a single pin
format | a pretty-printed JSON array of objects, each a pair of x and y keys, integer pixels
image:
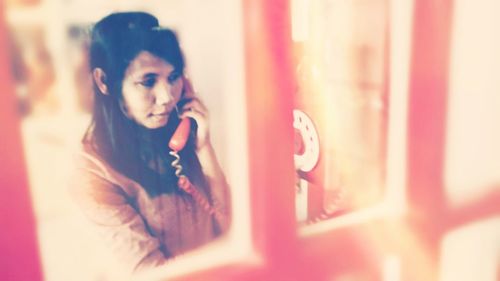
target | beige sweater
[{"x": 143, "y": 231}]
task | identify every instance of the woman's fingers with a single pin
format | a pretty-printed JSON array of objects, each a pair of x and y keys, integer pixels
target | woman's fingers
[
  {"x": 202, "y": 135},
  {"x": 196, "y": 110},
  {"x": 193, "y": 113},
  {"x": 195, "y": 105}
]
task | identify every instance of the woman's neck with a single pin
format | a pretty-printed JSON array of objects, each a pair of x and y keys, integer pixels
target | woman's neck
[{"x": 150, "y": 150}]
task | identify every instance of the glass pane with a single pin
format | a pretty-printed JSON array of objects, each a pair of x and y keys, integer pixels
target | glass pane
[
  {"x": 472, "y": 151},
  {"x": 470, "y": 252},
  {"x": 341, "y": 105},
  {"x": 50, "y": 61}
]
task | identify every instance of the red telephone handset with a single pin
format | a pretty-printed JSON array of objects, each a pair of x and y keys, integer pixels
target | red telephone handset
[{"x": 181, "y": 135}]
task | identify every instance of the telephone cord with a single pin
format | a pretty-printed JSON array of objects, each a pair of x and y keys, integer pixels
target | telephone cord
[{"x": 185, "y": 184}]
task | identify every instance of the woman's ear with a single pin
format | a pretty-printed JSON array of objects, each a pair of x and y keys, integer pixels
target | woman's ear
[{"x": 100, "y": 80}]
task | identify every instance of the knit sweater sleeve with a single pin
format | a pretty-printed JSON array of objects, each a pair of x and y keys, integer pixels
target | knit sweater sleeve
[{"x": 111, "y": 210}]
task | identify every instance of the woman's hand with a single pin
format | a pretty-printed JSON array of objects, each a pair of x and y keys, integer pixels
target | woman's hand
[{"x": 195, "y": 109}]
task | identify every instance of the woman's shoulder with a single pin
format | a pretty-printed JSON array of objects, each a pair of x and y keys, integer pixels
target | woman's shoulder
[
  {"x": 88, "y": 161},
  {"x": 91, "y": 173},
  {"x": 95, "y": 175}
]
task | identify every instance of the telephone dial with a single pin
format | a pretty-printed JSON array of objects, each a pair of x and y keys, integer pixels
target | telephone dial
[
  {"x": 306, "y": 146},
  {"x": 314, "y": 200}
]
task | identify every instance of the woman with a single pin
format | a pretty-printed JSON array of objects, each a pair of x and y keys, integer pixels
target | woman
[{"x": 127, "y": 185}]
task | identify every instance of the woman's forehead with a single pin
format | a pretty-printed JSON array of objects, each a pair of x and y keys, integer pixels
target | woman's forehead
[{"x": 146, "y": 62}]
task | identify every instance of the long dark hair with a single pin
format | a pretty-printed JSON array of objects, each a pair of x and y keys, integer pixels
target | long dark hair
[{"x": 125, "y": 145}]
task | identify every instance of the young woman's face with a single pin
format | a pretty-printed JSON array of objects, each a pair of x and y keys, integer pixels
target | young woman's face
[{"x": 151, "y": 89}]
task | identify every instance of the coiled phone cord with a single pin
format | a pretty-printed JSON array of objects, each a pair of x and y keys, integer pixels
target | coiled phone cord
[
  {"x": 331, "y": 210},
  {"x": 185, "y": 184}
]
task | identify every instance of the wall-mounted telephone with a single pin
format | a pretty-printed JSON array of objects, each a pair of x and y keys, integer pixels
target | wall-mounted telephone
[{"x": 309, "y": 169}]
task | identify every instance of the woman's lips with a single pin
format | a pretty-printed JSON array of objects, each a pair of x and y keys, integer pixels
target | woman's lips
[
  {"x": 159, "y": 118},
  {"x": 164, "y": 113}
]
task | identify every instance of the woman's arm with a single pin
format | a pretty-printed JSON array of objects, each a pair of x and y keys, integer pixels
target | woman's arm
[
  {"x": 196, "y": 110},
  {"x": 108, "y": 208},
  {"x": 217, "y": 181}
]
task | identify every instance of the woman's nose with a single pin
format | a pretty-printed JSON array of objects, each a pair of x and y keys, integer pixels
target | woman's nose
[{"x": 163, "y": 94}]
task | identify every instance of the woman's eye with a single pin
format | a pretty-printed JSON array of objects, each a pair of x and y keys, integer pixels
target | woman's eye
[
  {"x": 173, "y": 77},
  {"x": 148, "y": 83}
]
